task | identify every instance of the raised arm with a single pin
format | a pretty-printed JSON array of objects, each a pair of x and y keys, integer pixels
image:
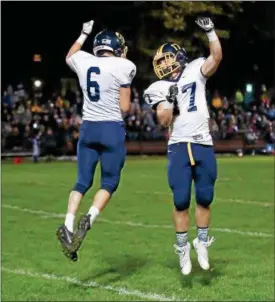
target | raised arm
[
  {"x": 213, "y": 61},
  {"x": 86, "y": 30}
]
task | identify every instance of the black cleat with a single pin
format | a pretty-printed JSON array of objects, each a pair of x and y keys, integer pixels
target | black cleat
[
  {"x": 65, "y": 238},
  {"x": 82, "y": 229}
]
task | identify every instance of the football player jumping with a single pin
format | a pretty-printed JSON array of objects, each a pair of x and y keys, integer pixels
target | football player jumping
[
  {"x": 190, "y": 148},
  {"x": 105, "y": 80}
]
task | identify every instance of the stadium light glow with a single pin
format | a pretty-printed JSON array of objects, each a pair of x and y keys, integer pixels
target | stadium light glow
[
  {"x": 249, "y": 88},
  {"x": 37, "y": 83}
]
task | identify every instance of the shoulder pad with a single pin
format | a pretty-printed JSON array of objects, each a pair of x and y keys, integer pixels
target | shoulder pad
[{"x": 156, "y": 92}]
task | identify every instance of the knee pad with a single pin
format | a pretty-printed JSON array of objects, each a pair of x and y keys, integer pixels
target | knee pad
[
  {"x": 182, "y": 199},
  {"x": 81, "y": 188},
  {"x": 204, "y": 196}
]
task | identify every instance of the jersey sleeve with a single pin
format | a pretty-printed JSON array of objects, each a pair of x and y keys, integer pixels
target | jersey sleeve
[
  {"x": 126, "y": 73},
  {"x": 76, "y": 59},
  {"x": 155, "y": 94},
  {"x": 197, "y": 65}
]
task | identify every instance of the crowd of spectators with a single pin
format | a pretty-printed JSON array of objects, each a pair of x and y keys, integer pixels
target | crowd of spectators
[
  {"x": 30, "y": 121},
  {"x": 255, "y": 117}
]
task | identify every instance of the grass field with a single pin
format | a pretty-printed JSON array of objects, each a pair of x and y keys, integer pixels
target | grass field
[{"x": 128, "y": 254}]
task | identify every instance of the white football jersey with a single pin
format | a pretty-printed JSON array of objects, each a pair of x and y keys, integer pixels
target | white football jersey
[
  {"x": 100, "y": 79},
  {"x": 191, "y": 125}
]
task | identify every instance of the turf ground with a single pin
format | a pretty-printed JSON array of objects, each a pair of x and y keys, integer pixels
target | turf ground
[{"x": 128, "y": 254}]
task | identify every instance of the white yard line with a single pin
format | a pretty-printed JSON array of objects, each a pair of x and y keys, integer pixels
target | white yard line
[
  {"x": 44, "y": 214},
  {"x": 68, "y": 279},
  {"x": 229, "y": 200}
]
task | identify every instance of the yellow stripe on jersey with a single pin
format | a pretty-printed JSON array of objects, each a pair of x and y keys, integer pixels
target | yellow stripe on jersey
[{"x": 190, "y": 154}]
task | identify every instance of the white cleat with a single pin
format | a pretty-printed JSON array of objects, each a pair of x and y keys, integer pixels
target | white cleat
[
  {"x": 184, "y": 256},
  {"x": 202, "y": 251}
]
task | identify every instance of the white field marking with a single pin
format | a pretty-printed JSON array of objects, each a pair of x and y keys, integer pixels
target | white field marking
[
  {"x": 229, "y": 200},
  {"x": 44, "y": 214},
  {"x": 72, "y": 280},
  {"x": 35, "y": 212}
]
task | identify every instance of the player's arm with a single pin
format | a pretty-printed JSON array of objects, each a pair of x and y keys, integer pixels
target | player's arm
[
  {"x": 165, "y": 113},
  {"x": 126, "y": 78},
  {"x": 125, "y": 99},
  {"x": 165, "y": 107},
  {"x": 213, "y": 61},
  {"x": 86, "y": 30}
]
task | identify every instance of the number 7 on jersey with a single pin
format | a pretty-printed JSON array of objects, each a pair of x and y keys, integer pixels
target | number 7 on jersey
[{"x": 192, "y": 87}]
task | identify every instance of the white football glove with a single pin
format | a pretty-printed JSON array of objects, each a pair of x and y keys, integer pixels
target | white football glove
[
  {"x": 87, "y": 27},
  {"x": 205, "y": 23}
]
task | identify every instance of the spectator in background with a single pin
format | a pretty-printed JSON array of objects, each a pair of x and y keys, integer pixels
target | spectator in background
[
  {"x": 248, "y": 96},
  {"x": 270, "y": 139},
  {"x": 36, "y": 107},
  {"x": 135, "y": 107},
  {"x": 61, "y": 102},
  {"x": 13, "y": 140},
  {"x": 62, "y": 114},
  {"x": 264, "y": 96},
  {"x": 8, "y": 98},
  {"x": 216, "y": 101},
  {"x": 214, "y": 128},
  {"x": 251, "y": 137},
  {"x": 271, "y": 113},
  {"x": 231, "y": 127},
  {"x": 27, "y": 134},
  {"x": 20, "y": 91},
  {"x": 49, "y": 144},
  {"x": 225, "y": 103},
  {"x": 35, "y": 148},
  {"x": 239, "y": 97},
  {"x": 75, "y": 137}
]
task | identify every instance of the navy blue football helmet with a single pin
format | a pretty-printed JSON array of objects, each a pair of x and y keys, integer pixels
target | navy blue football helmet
[
  {"x": 169, "y": 58},
  {"x": 110, "y": 41}
]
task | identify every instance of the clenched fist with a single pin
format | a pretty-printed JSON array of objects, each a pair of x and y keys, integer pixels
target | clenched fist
[{"x": 87, "y": 27}]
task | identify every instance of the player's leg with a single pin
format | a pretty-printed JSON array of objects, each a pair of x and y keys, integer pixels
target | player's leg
[
  {"x": 87, "y": 161},
  {"x": 88, "y": 156},
  {"x": 112, "y": 160},
  {"x": 204, "y": 177},
  {"x": 180, "y": 180}
]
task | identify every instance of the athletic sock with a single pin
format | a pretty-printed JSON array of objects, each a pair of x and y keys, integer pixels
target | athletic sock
[
  {"x": 202, "y": 234},
  {"x": 69, "y": 222},
  {"x": 93, "y": 212},
  {"x": 182, "y": 238}
]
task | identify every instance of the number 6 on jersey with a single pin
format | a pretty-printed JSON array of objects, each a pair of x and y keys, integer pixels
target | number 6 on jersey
[{"x": 92, "y": 86}]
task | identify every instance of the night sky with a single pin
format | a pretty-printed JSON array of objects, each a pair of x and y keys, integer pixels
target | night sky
[{"x": 50, "y": 28}]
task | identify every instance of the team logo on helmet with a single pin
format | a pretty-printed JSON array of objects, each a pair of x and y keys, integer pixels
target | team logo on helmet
[{"x": 110, "y": 41}]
